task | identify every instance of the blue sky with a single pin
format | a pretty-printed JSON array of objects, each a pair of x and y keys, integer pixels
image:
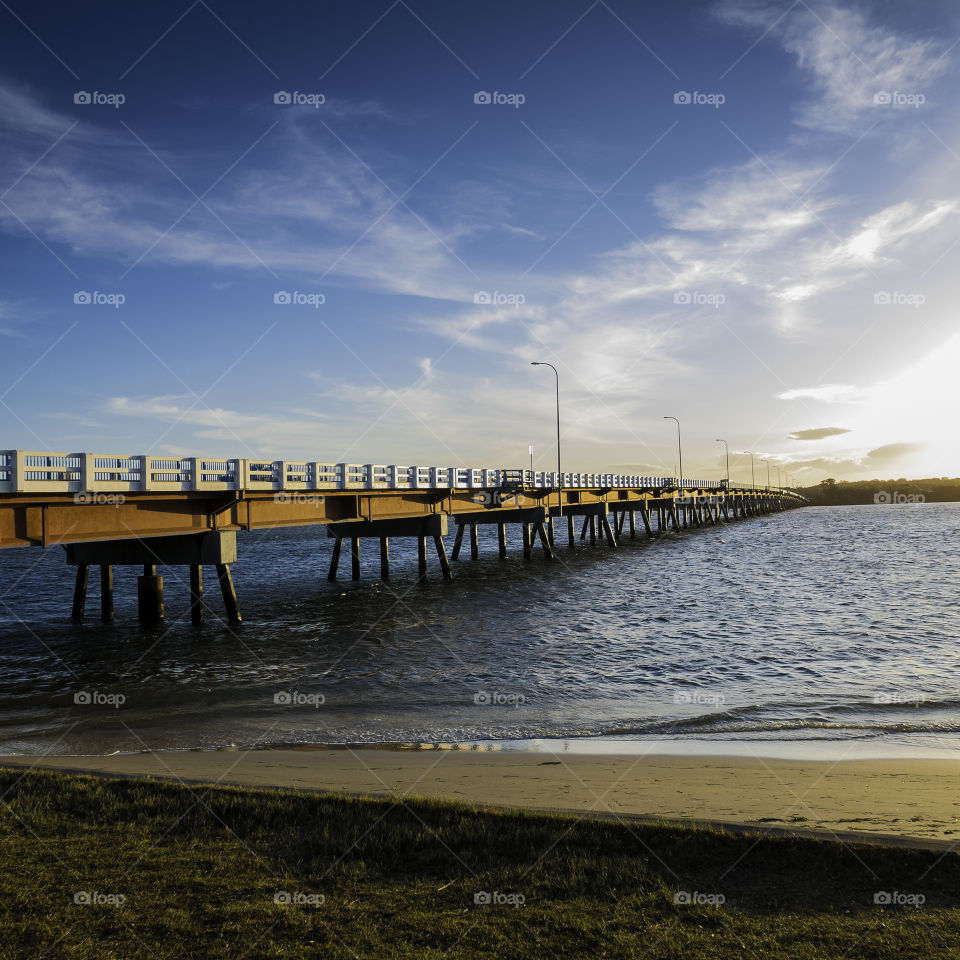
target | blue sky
[{"x": 742, "y": 214}]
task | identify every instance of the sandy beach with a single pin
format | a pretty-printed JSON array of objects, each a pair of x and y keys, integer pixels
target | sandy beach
[{"x": 916, "y": 801}]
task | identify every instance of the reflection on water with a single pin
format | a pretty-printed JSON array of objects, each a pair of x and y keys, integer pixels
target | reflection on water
[{"x": 832, "y": 623}]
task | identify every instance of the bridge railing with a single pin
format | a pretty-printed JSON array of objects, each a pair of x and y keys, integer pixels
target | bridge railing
[{"x": 28, "y": 471}]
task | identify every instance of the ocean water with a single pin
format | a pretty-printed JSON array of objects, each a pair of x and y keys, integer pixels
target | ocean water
[{"x": 831, "y": 625}]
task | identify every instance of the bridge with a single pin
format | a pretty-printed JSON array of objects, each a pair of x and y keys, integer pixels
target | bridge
[{"x": 158, "y": 511}]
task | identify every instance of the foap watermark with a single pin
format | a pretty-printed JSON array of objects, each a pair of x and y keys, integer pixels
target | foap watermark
[
  {"x": 494, "y": 698},
  {"x": 897, "y": 898},
  {"x": 98, "y": 298},
  {"x": 897, "y": 298},
  {"x": 295, "y": 898},
  {"x": 296, "y": 698},
  {"x": 499, "y": 299},
  {"x": 494, "y": 898},
  {"x": 96, "y": 698},
  {"x": 884, "y": 98},
  {"x": 312, "y": 499},
  {"x": 286, "y": 98},
  {"x": 899, "y": 696},
  {"x": 699, "y": 99},
  {"x": 884, "y": 496},
  {"x": 686, "y": 898},
  {"x": 98, "y": 99},
  {"x": 697, "y": 298},
  {"x": 100, "y": 499},
  {"x": 700, "y": 698},
  {"x": 515, "y": 100},
  {"x": 298, "y": 298},
  {"x": 493, "y": 498},
  {"x": 94, "y": 898}
]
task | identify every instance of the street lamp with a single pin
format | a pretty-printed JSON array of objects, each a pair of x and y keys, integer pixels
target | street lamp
[
  {"x": 727, "y": 448},
  {"x": 779, "y": 479},
  {"x": 753, "y": 478},
  {"x": 679, "y": 451},
  {"x": 767, "y": 462},
  {"x": 538, "y": 363}
]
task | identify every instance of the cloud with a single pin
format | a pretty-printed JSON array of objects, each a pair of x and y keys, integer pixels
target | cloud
[
  {"x": 826, "y": 393},
  {"x": 891, "y": 452},
  {"x": 849, "y": 59},
  {"x": 817, "y": 433}
]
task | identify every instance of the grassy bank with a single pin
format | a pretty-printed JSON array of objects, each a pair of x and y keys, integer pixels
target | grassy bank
[{"x": 124, "y": 868}]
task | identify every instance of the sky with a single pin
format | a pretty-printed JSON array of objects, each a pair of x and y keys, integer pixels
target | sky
[{"x": 343, "y": 232}]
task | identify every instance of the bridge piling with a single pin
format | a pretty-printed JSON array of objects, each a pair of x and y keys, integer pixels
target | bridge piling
[
  {"x": 106, "y": 592},
  {"x": 228, "y": 592},
  {"x": 196, "y": 593},
  {"x": 335, "y": 558},
  {"x": 502, "y": 541},
  {"x": 80, "y": 591},
  {"x": 150, "y": 595},
  {"x": 355, "y": 558},
  {"x": 385, "y": 558}
]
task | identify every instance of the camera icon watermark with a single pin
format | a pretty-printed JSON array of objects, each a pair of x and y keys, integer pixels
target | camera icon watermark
[
  {"x": 295, "y": 698},
  {"x": 284, "y": 98},
  {"x": 515, "y": 100},
  {"x": 499, "y": 299},
  {"x": 701, "y": 698},
  {"x": 896, "y": 898},
  {"x": 93, "y": 898},
  {"x": 298, "y": 299},
  {"x": 487, "y": 898},
  {"x": 309, "y": 499},
  {"x": 100, "y": 499},
  {"x": 697, "y": 98},
  {"x": 697, "y": 298},
  {"x": 494, "y": 698},
  {"x": 884, "y": 496},
  {"x": 896, "y": 298},
  {"x": 884, "y": 98},
  {"x": 295, "y": 898},
  {"x": 95, "y": 698},
  {"x": 98, "y": 99},
  {"x": 693, "y": 897},
  {"x": 85, "y": 298}
]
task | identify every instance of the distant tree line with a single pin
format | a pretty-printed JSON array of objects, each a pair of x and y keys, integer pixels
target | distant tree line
[{"x": 935, "y": 490}]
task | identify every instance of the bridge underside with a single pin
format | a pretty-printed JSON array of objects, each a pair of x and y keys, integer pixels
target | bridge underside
[{"x": 198, "y": 528}]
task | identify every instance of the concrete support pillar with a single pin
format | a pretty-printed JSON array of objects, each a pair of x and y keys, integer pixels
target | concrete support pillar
[
  {"x": 196, "y": 593},
  {"x": 106, "y": 592},
  {"x": 229, "y": 594},
  {"x": 570, "y": 531},
  {"x": 335, "y": 558},
  {"x": 385, "y": 558},
  {"x": 474, "y": 542},
  {"x": 150, "y": 595},
  {"x": 502, "y": 540},
  {"x": 421, "y": 558},
  {"x": 458, "y": 541},
  {"x": 355, "y": 558},
  {"x": 80, "y": 591},
  {"x": 527, "y": 541},
  {"x": 442, "y": 556}
]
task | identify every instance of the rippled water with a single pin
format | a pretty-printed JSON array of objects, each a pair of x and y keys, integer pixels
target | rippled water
[{"x": 834, "y": 623}]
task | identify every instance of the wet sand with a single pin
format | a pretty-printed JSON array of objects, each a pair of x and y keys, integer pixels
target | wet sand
[{"x": 914, "y": 801}]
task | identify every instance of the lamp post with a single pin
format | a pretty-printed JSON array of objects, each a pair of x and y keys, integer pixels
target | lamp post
[
  {"x": 767, "y": 462},
  {"x": 531, "y": 458},
  {"x": 779, "y": 479},
  {"x": 753, "y": 477},
  {"x": 538, "y": 363},
  {"x": 726, "y": 447},
  {"x": 679, "y": 452}
]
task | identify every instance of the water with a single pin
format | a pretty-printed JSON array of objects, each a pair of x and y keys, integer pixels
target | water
[{"x": 836, "y": 624}]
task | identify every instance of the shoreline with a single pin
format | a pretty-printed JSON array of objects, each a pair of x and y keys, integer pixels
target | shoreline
[{"x": 912, "y": 801}]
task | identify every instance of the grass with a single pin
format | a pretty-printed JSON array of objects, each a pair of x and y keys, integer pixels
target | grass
[{"x": 199, "y": 870}]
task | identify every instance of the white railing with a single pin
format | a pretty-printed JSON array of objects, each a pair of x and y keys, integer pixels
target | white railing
[{"x": 29, "y": 471}]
